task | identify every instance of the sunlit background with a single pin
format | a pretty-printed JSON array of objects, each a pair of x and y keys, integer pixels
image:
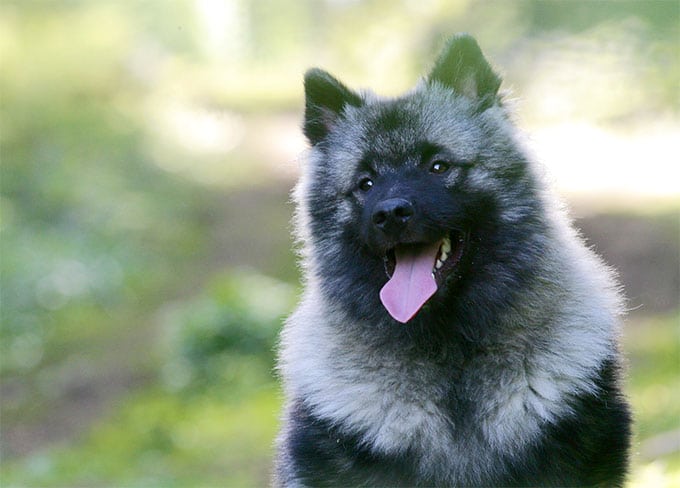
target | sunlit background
[{"x": 147, "y": 153}]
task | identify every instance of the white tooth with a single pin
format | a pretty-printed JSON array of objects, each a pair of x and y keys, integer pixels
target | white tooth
[
  {"x": 438, "y": 264},
  {"x": 444, "y": 256},
  {"x": 446, "y": 246}
]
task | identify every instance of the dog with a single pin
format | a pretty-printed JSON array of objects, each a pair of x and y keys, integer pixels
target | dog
[{"x": 454, "y": 329}]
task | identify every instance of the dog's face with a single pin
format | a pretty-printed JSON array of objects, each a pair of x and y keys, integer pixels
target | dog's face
[{"x": 406, "y": 198}]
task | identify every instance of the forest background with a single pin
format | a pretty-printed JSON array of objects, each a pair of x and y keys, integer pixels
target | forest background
[{"x": 147, "y": 152}]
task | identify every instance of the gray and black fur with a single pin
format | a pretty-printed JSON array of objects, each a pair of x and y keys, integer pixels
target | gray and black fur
[{"x": 509, "y": 375}]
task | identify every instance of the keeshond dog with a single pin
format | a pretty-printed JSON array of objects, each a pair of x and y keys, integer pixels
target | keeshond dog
[{"x": 454, "y": 329}]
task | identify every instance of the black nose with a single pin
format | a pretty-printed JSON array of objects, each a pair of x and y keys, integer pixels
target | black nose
[{"x": 392, "y": 215}]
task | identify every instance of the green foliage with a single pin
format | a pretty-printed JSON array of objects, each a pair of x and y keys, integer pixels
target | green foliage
[
  {"x": 87, "y": 222},
  {"x": 212, "y": 419},
  {"x": 165, "y": 440},
  {"x": 226, "y": 336},
  {"x": 653, "y": 349}
]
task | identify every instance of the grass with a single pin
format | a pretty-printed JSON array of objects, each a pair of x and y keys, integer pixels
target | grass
[
  {"x": 161, "y": 439},
  {"x": 653, "y": 349}
]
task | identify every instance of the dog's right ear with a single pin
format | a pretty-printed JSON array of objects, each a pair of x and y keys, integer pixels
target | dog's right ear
[{"x": 325, "y": 100}]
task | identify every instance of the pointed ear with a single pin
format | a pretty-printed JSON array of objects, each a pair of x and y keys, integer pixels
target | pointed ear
[
  {"x": 463, "y": 68},
  {"x": 325, "y": 99}
]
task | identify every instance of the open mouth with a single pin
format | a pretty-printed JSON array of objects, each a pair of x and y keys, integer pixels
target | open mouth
[
  {"x": 449, "y": 253},
  {"x": 416, "y": 271}
]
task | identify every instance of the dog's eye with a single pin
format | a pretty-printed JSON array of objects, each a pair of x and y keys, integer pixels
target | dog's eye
[
  {"x": 365, "y": 184},
  {"x": 439, "y": 167}
]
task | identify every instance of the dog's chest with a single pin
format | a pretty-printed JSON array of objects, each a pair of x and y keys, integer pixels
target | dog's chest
[
  {"x": 396, "y": 402},
  {"x": 397, "y": 405},
  {"x": 456, "y": 418}
]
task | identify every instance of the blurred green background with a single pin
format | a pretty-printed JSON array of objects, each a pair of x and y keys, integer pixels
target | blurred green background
[{"x": 147, "y": 153}]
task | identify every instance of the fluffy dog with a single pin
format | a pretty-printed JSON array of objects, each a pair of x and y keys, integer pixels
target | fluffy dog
[{"x": 454, "y": 329}]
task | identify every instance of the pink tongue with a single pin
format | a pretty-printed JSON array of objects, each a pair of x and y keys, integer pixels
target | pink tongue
[{"x": 412, "y": 283}]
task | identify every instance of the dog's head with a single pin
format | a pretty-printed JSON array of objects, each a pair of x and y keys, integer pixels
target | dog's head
[{"x": 402, "y": 199}]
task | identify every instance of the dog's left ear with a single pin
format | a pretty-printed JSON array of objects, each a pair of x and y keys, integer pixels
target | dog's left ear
[{"x": 463, "y": 68}]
